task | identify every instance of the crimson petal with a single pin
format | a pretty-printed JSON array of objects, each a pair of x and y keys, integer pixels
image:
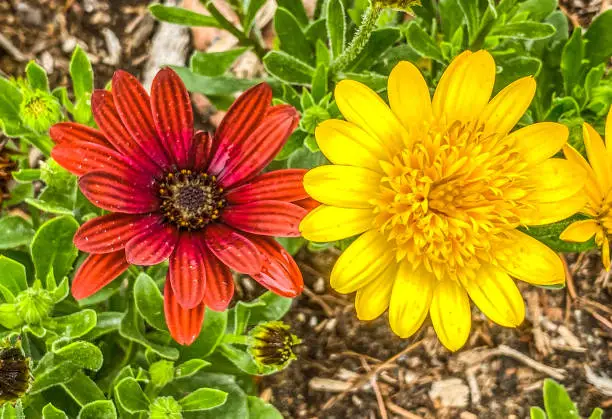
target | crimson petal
[
  {"x": 245, "y": 114},
  {"x": 279, "y": 185},
  {"x": 201, "y": 150},
  {"x": 219, "y": 283},
  {"x": 233, "y": 249},
  {"x": 280, "y": 274},
  {"x": 111, "y": 232},
  {"x": 269, "y": 218},
  {"x": 254, "y": 153},
  {"x": 134, "y": 108},
  {"x": 184, "y": 324},
  {"x": 71, "y": 132},
  {"x": 114, "y": 193},
  {"x": 173, "y": 115},
  {"x": 96, "y": 272},
  {"x": 307, "y": 203},
  {"x": 153, "y": 245},
  {"x": 186, "y": 271}
]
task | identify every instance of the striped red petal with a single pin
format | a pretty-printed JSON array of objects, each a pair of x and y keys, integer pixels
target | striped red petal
[
  {"x": 250, "y": 156},
  {"x": 270, "y": 218},
  {"x": 279, "y": 185},
  {"x": 106, "y": 116},
  {"x": 117, "y": 194},
  {"x": 173, "y": 115},
  {"x": 201, "y": 150},
  {"x": 184, "y": 324},
  {"x": 187, "y": 271},
  {"x": 280, "y": 274},
  {"x": 71, "y": 132},
  {"x": 153, "y": 245},
  {"x": 134, "y": 108},
  {"x": 233, "y": 249},
  {"x": 219, "y": 283},
  {"x": 308, "y": 204},
  {"x": 111, "y": 232},
  {"x": 96, "y": 272},
  {"x": 245, "y": 114}
]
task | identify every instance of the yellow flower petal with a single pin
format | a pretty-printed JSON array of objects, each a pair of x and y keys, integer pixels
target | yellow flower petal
[
  {"x": 580, "y": 231},
  {"x": 345, "y": 143},
  {"x": 540, "y": 141},
  {"x": 409, "y": 95},
  {"x": 555, "y": 179},
  {"x": 497, "y": 296},
  {"x": 608, "y": 131},
  {"x": 365, "y": 259},
  {"x": 591, "y": 186},
  {"x": 605, "y": 253},
  {"x": 508, "y": 106},
  {"x": 342, "y": 186},
  {"x": 373, "y": 299},
  {"x": 525, "y": 258},
  {"x": 326, "y": 224},
  {"x": 450, "y": 314},
  {"x": 362, "y": 106},
  {"x": 410, "y": 299},
  {"x": 598, "y": 156},
  {"x": 542, "y": 213},
  {"x": 465, "y": 87}
]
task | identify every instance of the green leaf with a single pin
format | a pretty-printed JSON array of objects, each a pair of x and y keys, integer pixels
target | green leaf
[
  {"x": 107, "y": 322},
  {"x": 287, "y": 68},
  {"x": 515, "y": 68},
  {"x": 524, "y": 30},
  {"x": 12, "y": 412},
  {"x": 55, "y": 374},
  {"x": 15, "y": 231},
  {"x": 274, "y": 308},
  {"x": 336, "y": 26},
  {"x": 374, "y": 81},
  {"x": 244, "y": 361},
  {"x": 83, "y": 389},
  {"x": 251, "y": 8},
  {"x": 73, "y": 325},
  {"x": 52, "y": 247},
  {"x": 203, "y": 399},
  {"x": 213, "y": 64},
  {"x": 52, "y": 412},
  {"x": 537, "y": 413},
  {"x": 571, "y": 60},
  {"x": 537, "y": 9},
  {"x": 549, "y": 235},
  {"x": 100, "y": 409},
  {"x": 190, "y": 367},
  {"x": 9, "y": 317},
  {"x": 130, "y": 396},
  {"x": 597, "y": 414},
  {"x": 599, "y": 37},
  {"x": 258, "y": 409},
  {"x": 322, "y": 54},
  {"x": 13, "y": 276},
  {"x": 295, "y": 142},
  {"x": 181, "y": 16},
  {"x": 26, "y": 175},
  {"x": 215, "y": 324},
  {"x": 471, "y": 13},
  {"x": 81, "y": 73},
  {"x": 82, "y": 354},
  {"x": 292, "y": 39},
  {"x": 60, "y": 292},
  {"x": 319, "y": 83},
  {"x": 37, "y": 77},
  {"x": 304, "y": 159},
  {"x": 149, "y": 301},
  {"x": 380, "y": 41},
  {"x": 213, "y": 86},
  {"x": 422, "y": 43},
  {"x": 59, "y": 195},
  {"x": 557, "y": 402},
  {"x": 10, "y": 100},
  {"x": 296, "y": 8}
]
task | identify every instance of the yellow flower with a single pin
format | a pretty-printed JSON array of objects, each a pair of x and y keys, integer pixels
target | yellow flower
[
  {"x": 598, "y": 190},
  {"x": 438, "y": 188}
]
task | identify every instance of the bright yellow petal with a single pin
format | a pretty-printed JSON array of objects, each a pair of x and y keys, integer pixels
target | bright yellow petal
[
  {"x": 345, "y": 143},
  {"x": 508, "y": 106},
  {"x": 555, "y": 179},
  {"x": 326, "y": 224},
  {"x": 342, "y": 186},
  {"x": 465, "y": 87},
  {"x": 537, "y": 142},
  {"x": 605, "y": 253},
  {"x": 450, "y": 314},
  {"x": 365, "y": 259},
  {"x": 591, "y": 186},
  {"x": 409, "y": 95},
  {"x": 608, "y": 131},
  {"x": 525, "y": 258},
  {"x": 497, "y": 296},
  {"x": 580, "y": 231},
  {"x": 542, "y": 213},
  {"x": 373, "y": 299},
  {"x": 410, "y": 299},
  {"x": 598, "y": 156},
  {"x": 362, "y": 106}
]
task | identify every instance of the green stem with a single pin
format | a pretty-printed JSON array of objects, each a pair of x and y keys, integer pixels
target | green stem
[
  {"x": 233, "y": 339},
  {"x": 368, "y": 24}
]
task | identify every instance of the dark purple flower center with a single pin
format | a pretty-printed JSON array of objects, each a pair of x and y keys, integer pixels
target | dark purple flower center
[{"x": 190, "y": 200}]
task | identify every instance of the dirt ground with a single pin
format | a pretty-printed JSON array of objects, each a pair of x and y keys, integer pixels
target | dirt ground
[{"x": 348, "y": 368}]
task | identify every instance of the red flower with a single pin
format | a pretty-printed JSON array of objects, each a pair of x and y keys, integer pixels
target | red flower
[{"x": 195, "y": 199}]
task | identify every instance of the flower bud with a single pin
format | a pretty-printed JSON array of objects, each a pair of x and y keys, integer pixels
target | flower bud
[
  {"x": 39, "y": 110},
  {"x": 34, "y": 305},
  {"x": 14, "y": 374},
  {"x": 271, "y": 344}
]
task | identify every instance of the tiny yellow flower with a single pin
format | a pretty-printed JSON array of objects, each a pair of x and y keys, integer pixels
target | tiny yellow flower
[
  {"x": 598, "y": 190},
  {"x": 436, "y": 189}
]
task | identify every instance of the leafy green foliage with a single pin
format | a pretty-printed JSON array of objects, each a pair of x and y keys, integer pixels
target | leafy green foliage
[{"x": 558, "y": 404}]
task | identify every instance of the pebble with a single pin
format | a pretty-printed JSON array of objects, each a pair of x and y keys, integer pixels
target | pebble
[
  {"x": 319, "y": 286},
  {"x": 69, "y": 44},
  {"x": 452, "y": 392},
  {"x": 47, "y": 62},
  {"x": 29, "y": 15},
  {"x": 313, "y": 321}
]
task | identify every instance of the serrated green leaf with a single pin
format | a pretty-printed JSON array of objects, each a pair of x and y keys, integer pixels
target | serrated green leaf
[
  {"x": 599, "y": 39},
  {"x": 203, "y": 399},
  {"x": 213, "y": 64},
  {"x": 130, "y": 396},
  {"x": 149, "y": 301},
  {"x": 557, "y": 402},
  {"x": 52, "y": 247},
  {"x": 524, "y": 30},
  {"x": 292, "y": 39},
  {"x": 287, "y": 68},
  {"x": 81, "y": 73},
  {"x": 15, "y": 231},
  {"x": 180, "y": 16},
  {"x": 99, "y": 409},
  {"x": 336, "y": 27},
  {"x": 52, "y": 412},
  {"x": 37, "y": 77},
  {"x": 258, "y": 409}
]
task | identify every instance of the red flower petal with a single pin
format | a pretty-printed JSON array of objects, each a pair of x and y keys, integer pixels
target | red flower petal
[
  {"x": 153, "y": 245},
  {"x": 113, "y": 193},
  {"x": 201, "y": 150},
  {"x": 111, "y": 232},
  {"x": 308, "y": 204},
  {"x": 280, "y": 274},
  {"x": 173, "y": 115},
  {"x": 279, "y": 185},
  {"x": 96, "y": 272},
  {"x": 251, "y": 155},
  {"x": 233, "y": 249},
  {"x": 184, "y": 324},
  {"x": 187, "y": 271},
  {"x": 270, "y": 218},
  {"x": 106, "y": 116},
  {"x": 219, "y": 283},
  {"x": 245, "y": 114},
  {"x": 71, "y": 132},
  {"x": 134, "y": 107}
]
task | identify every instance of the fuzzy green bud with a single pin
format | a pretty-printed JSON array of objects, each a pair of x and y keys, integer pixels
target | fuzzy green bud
[
  {"x": 271, "y": 344},
  {"x": 162, "y": 372},
  {"x": 39, "y": 110},
  {"x": 165, "y": 408},
  {"x": 313, "y": 116},
  {"x": 34, "y": 305}
]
